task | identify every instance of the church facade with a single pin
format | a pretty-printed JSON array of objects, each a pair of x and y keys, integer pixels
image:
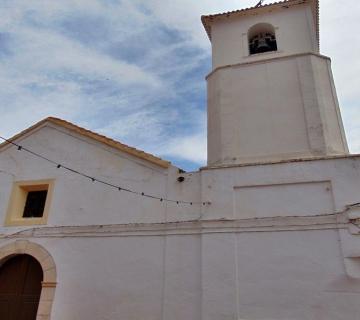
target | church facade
[{"x": 91, "y": 228}]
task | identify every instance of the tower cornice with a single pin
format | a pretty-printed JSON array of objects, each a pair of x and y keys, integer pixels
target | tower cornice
[
  {"x": 207, "y": 20},
  {"x": 267, "y": 60}
]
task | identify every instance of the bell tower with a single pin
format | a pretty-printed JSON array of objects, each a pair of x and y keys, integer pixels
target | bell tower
[{"x": 271, "y": 94}]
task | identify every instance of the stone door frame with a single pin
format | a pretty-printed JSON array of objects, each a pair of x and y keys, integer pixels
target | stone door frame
[{"x": 49, "y": 270}]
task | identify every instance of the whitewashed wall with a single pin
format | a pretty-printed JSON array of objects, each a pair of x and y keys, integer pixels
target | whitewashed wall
[
  {"x": 77, "y": 200},
  {"x": 242, "y": 257},
  {"x": 281, "y": 108},
  {"x": 229, "y": 36}
]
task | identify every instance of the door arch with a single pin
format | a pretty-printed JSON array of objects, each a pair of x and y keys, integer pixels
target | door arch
[
  {"x": 44, "y": 258},
  {"x": 20, "y": 288}
]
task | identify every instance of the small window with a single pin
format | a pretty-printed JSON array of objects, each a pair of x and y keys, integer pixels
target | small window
[
  {"x": 29, "y": 203},
  {"x": 262, "y": 38},
  {"x": 35, "y": 204}
]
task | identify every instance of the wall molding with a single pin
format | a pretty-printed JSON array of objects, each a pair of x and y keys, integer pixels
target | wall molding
[{"x": 274, "y": 224}]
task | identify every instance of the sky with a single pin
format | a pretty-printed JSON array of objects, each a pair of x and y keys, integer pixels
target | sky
[{"x": 134, "y": 70}]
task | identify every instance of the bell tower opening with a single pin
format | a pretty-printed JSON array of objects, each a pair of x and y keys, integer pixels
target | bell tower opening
[{"x": 262, "y": 38}]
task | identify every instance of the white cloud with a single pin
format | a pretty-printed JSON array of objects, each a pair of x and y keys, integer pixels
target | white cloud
[
  {"x": 143, "y": 125},
  {"x": 191, "y": 148},
  {"x": 338, "y": 24},
  {"x": 52, "y": 52},
  {"x": 185, "y": 14}
]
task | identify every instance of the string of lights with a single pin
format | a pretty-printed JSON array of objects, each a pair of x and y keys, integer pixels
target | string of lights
[{"x": 100, "y": 181}]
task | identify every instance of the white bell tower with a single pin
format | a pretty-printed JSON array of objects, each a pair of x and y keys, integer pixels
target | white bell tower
[{"x": 271, "y": 95}]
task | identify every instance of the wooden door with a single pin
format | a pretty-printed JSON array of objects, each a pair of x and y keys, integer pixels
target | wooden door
[{"x": 20, "y": 288}]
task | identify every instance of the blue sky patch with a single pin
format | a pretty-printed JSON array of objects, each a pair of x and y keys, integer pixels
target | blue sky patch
[{"x": 135, "y": 70}]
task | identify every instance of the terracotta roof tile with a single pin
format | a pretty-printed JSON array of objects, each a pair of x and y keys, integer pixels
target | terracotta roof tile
[
  {"x": 207, "y": 19},
  {"x": 98, "y": 137}
]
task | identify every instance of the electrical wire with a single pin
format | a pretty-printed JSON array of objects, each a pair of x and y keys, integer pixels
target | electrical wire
[{"x": 103, "y": 182}]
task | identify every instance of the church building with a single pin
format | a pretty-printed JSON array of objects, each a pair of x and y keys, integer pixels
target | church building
[{"x": 269, "y": 229}]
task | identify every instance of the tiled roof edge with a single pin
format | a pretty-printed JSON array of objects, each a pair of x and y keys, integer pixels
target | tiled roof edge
[
  {"x": 97, "y": 137},
  {"x": 205, "y": 19}
]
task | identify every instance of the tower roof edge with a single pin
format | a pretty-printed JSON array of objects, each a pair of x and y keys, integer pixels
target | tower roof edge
[{"x": 207, "y": 20}]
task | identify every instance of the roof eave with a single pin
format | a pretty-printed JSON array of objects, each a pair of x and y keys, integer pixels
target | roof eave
[
  {"x": 208, "y": 19},
  {"x": 95, "y": 136}
]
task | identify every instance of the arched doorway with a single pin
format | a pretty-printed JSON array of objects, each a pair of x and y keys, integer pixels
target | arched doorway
[{"x": 20, "y": 287}]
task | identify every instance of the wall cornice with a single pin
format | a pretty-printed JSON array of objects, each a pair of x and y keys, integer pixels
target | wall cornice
[
  {"x": 236, "y": 65},
  {"x": 274, "y": 224},
  {"x": 286, "y": 161}
]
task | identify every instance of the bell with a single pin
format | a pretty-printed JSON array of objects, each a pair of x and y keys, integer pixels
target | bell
[{"x": 262, "y": 45}]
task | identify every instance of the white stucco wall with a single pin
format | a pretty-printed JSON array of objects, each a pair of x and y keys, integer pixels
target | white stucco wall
[
  {"x": 77, "y": 200},
  {"x": 267, "y": 247},
  {"x": 254, "y": 191},
  {"x": 242, "y": 275},
  {"x": 273, "y": 109},
  {"x": 294, "y": 28}
]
